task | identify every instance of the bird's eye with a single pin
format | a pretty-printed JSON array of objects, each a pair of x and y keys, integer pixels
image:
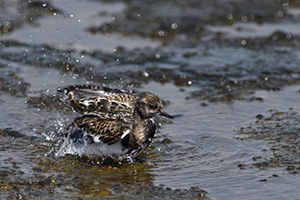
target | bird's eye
[{"x": 151, "y": 106}]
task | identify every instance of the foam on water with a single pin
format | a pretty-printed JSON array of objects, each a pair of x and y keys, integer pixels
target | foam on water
[{"x": 82, "y": 147}]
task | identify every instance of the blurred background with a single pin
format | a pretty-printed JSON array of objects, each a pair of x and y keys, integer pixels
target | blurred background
[{"x": 228, "y": 69}]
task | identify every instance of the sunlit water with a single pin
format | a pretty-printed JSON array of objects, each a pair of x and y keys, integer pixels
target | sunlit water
[
  {"x": 68, "y": 29},
  {"x": 203, "y": 146},
  {"x": 205, "y": 150}
]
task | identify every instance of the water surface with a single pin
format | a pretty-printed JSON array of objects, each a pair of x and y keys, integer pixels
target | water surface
[{"x": 229, "y": 73}]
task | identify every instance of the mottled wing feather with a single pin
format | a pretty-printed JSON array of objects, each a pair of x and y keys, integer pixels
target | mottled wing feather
[
  {"x": 111, "y": 103},
  {"x": 105, "y": 130},
  {"x": 89, "y": 104}
]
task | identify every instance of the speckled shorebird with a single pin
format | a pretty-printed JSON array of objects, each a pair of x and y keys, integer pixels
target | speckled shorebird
[{"x": 114, "y": 122}]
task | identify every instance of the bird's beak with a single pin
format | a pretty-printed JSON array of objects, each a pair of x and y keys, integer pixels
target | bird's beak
[{"x": 163, "y": 113}]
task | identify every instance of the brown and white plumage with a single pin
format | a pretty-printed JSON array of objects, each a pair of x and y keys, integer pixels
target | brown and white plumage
[
  {"x": 115, "y": 121},
  {"x": 103, "y": 101}
]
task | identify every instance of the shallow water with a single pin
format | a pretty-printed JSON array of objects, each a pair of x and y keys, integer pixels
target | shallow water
[{"x": 230, "y": 75}]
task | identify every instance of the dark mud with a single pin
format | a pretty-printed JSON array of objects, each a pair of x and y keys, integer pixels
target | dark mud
[
  {"x": 170, "y": 19},
  {"x": 17, "y": 14},
  {"x": 281, "y": 131},
  {"x": 228, "y": 70},
  {"x": 237, "y": 80}
]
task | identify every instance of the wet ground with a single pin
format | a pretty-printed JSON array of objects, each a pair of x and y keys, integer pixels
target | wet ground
[{"x": 229, "y": 71}]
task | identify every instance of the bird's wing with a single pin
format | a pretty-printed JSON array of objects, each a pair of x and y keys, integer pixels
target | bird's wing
[
  {"x": 108, "y": 131},
  {"x": 84, "y": 91},
  {"x": 107, "y": 102}
]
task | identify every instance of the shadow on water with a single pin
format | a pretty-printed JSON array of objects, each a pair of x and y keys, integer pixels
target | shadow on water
[{"x": 228, "y": 70}]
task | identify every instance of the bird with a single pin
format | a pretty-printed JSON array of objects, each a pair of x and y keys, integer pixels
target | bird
[{"x": 114, "y": 123}]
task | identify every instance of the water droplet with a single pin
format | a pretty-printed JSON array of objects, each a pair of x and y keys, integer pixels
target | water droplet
[
  {"x": 189, "y": 82},
  {"x": 157, "y": 56},
  {"x": 146, "y": 74},
  {"x": 244, "y": 18},
  {"x": 285, "y": 6},
  {"x": 229, "y": 16},
  {"x": 174, "y": 26},
  {"x": 228, "y": 88},
  {"x": 280, "y": 14},
  {"x": 251, "y": 17},
  {"x": 161, "y": 33},
  {"x": 243, "y": 42}
]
